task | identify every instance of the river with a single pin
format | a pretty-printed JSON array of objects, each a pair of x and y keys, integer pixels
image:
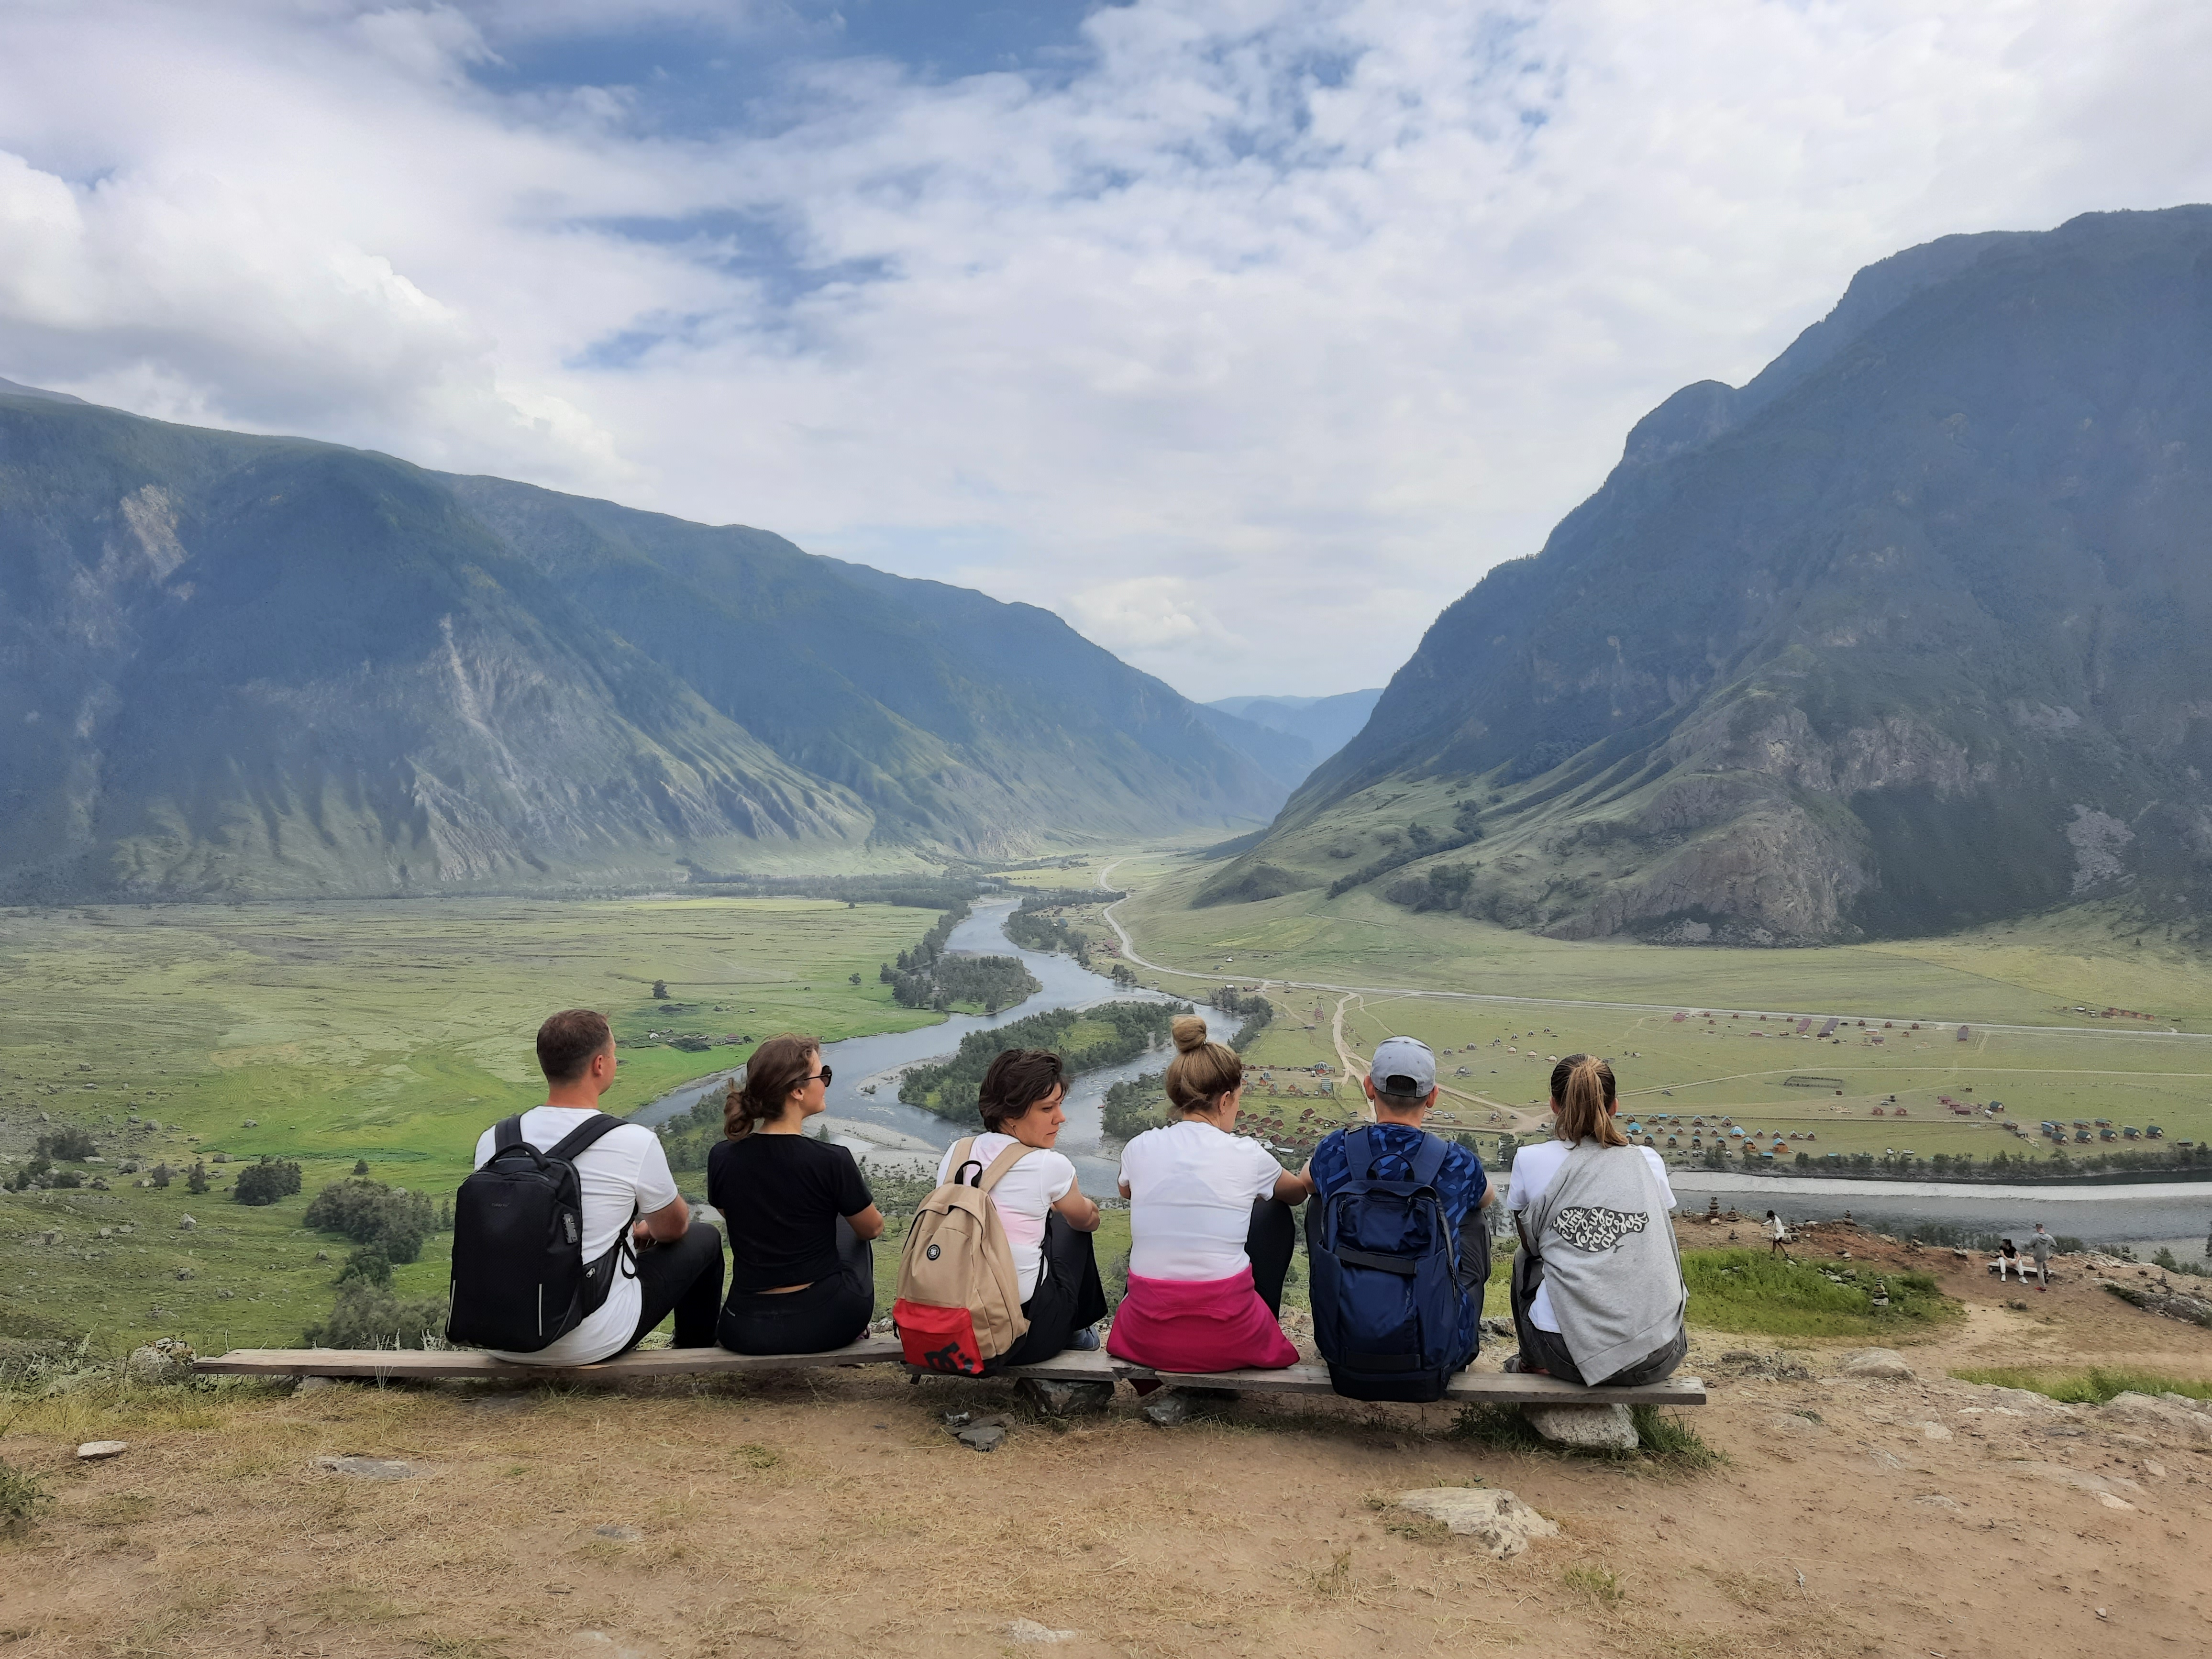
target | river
[
  {"x": 888, "y": 1133},
  {"x": 860, "y": 1063}
]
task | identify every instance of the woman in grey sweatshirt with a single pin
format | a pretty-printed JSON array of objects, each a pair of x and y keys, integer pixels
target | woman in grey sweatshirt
[{"x": 1597, "y": 1284}]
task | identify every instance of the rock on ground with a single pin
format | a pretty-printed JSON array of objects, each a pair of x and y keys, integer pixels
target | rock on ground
[
  {"x": 167, "y": 1360},
  {"x": 1886, "y": 1364},
  {"x": 93, "y": 1451},
  {"x": 1584, "y": 1425},
  {"x": 1065, "y": 1399},
  {"x": 2141, "y": 1411},
  {"x": 1496, "y": 1520},
  {"x": 1028, "y": 1630},
  {"x": 370, "y": 1468}
]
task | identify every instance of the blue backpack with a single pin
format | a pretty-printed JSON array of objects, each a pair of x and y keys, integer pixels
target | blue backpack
[{"x": 1386, "y": 1295}]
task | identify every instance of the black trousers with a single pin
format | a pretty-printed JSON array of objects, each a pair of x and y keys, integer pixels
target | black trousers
[
  {"x": 683, "y": 1278},
  {"x": 828, "y": 1314},
  {"x": 1068, "y": 1297},
  {"x": 1547, "y": 1351},
  {"x": 1269, "y": 1242}
]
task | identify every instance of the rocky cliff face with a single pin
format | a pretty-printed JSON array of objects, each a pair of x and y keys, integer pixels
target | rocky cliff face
[
  {"x": 1907, "y": 634},
  {"x": 234, "y": 665}
]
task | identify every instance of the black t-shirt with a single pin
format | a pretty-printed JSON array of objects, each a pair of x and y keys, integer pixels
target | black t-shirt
[{"x": 780, "y": 1196}]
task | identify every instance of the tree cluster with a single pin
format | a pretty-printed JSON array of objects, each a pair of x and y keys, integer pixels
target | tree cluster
[
  {"x": 1032, "y": 928},
  {"x": 68, "y": 1145},
  {"x": 367, "y": 1315},
  {"x": 264, "y": 1183},
  {"x": 1421, "y": 843},
  {"x": 391, "y": 1219},
  {"x": 952, "y": 1087}
]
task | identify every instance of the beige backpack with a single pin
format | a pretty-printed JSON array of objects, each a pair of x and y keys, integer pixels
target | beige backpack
[{"x": 959, "y": 1305}]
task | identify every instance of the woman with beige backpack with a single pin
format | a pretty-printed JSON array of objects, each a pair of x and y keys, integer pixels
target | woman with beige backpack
[{"x": 998, "y": 1268}]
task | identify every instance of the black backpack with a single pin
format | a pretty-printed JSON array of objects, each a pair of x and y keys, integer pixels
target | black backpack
[{"x": 520, "y": 1282}]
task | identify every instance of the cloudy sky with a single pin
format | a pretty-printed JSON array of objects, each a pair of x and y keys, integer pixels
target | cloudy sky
[{"x": 1244, "y": 334}]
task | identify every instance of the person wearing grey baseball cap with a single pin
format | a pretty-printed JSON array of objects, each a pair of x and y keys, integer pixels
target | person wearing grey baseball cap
[{"x": 1396, "y": 1306}]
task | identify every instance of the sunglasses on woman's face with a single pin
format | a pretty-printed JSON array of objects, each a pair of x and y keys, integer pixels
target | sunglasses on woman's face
[{"x": 824, "y": 1074}]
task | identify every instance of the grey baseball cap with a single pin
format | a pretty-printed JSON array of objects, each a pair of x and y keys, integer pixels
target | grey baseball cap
[{"x": 1403, "y": 1066}]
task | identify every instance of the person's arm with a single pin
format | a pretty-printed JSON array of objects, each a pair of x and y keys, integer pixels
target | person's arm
[
  {"x": 666, "y": 1224},
  {"x": 1078, "y": 1212},
  {"x": 1293, "y": 1188},
  {"x": 855, "y": 1202}
]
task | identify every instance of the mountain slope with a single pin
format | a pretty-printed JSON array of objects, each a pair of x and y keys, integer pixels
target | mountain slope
[
  {"x": 1906, "y": 634},
  {"x": 1325, "y": 724},
  {"x": 232, "y": 664}
]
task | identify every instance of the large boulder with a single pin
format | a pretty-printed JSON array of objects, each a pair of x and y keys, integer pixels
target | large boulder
[
  {"x": 1496, "y": 1520},
  {"x": 2142, "y": 1413},
  {"x": 1885, "y": 1364},
  {"x": 167, "y": 1360},
  {"x": 1601, "y": 1427}
]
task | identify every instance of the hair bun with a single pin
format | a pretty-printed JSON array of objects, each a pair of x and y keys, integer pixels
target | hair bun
[{"x": 1189, "y": 1033}]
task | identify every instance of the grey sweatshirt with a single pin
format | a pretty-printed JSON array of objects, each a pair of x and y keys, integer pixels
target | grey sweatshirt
[{"x": 1608, "y": 1246}]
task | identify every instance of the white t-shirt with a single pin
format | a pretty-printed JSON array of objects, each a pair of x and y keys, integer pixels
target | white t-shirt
[
  {"x": 623, "y": 1173},
  {"x": 1025, "y": 1193},
  {"x": 1533, "y": 1170},
  {"x": 1780, "y": 1228},
  {"x": 1191, "y": 1188}
]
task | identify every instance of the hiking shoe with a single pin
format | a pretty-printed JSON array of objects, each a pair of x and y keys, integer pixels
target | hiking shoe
[{"x": 1085, "y": 1341}]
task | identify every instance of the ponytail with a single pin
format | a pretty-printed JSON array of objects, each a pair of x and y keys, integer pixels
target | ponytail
[
  {"x": 1582, "y": 1093},
  {"x": 778, "y": 1065}
]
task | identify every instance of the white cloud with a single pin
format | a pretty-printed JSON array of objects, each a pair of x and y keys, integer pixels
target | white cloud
[{"x": 1247, "y": 347}]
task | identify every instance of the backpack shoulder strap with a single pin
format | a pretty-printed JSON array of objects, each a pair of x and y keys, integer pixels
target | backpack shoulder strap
[
  {"x": 1005, "y": 1161},
  {"x": 599, "y": 1124},
  {"x": 1429, "y": 1161},
  {"x": 1359, "y": 1152},
  {"x": 505, "y": 1135},
  {"x": 962, "y": 1150}
]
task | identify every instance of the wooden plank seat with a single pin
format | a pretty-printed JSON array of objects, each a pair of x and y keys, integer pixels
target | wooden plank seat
[{"x": 418, "y": 1364}]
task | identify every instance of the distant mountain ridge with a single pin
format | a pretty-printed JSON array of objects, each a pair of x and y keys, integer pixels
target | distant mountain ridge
[
  {"x": 235, "y": 666},
  {"x": 1322, "y": 725},
  {"x": 1907, "y": 634}
]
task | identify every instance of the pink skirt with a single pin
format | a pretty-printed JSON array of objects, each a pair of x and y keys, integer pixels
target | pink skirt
[{"x": 1210, "y": 1325}]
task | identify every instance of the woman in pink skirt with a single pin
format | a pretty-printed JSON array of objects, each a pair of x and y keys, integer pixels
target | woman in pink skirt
[{"x": 1208, "y": 1210}]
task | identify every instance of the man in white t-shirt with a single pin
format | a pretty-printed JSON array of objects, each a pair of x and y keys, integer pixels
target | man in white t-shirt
[
  {"x": 1048, "y": 1221},
  {"x": 626, "y": 1187}
]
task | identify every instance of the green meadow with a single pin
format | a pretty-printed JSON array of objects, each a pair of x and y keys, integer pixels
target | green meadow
[
  {"x": 1550, "y": 997},
  {"x": 392, "y": 1033}
]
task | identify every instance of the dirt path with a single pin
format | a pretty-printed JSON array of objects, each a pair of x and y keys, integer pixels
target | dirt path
[{"x": 823, "y": 1514}]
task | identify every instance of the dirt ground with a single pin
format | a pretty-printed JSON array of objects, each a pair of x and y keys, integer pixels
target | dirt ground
[{"x": 834, "y": 1514}]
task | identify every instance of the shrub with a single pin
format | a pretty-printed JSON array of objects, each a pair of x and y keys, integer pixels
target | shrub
[
  {"x": 68, "y": 1144},
  {"x": 264, "y": 1182},
  {"x": 370, "y": 1317},
  {"x": 69, "y": 1178},
  {"x": 161, "y": 1174},
  {"x": 196, "y": 1178},
  {"x": 23, "y": 1495},
  {"x": 366, "y": 1265},
  {"x": 391, "y": 1219}
]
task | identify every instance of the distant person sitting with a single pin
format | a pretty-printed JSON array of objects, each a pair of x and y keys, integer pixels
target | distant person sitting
[
  {"x": 2008, "y": 1263},
  {"x": 802, "y": 1279},
  {"x": 1210, "y": 1232},
  {"x": 1048, "y": 1221},
  {"x": 2041, "y": 1245},
  {"x": 667, "y": 1263},
  {"x": 1396, "y": 1238},
  {"x": 1598, "y": 1294}
]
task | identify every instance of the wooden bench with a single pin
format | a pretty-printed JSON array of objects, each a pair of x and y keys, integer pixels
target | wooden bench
[{"x": 417, "y": 1364}]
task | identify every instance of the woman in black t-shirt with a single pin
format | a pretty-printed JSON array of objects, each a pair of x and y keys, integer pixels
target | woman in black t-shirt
[{"x": 800, "y": 1217}]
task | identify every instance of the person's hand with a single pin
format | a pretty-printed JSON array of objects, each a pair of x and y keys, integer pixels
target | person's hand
[{"x": 641, "y": 1236}]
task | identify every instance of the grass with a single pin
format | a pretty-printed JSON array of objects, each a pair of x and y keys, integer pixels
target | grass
[
  {"x": 1666, "y": 1442},
  {"x": 2032, "y": 974},
  {"x": 1599, "y": 1586},
  {"x": 23, "y": 1495},
  {"x": 392, "y": 1033},
  {"x": 1749, "y": 1291},
  {"x": 2093, "y": 1387}
]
